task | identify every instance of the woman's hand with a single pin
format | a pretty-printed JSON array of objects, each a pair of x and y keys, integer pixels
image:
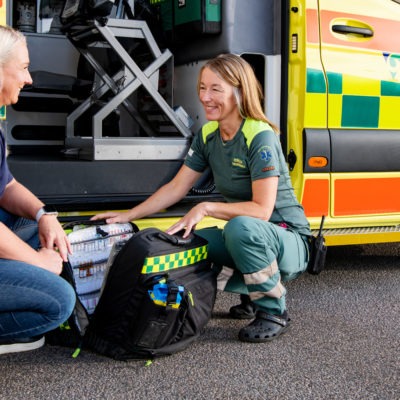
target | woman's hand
[
  {"x": 52, "y": 235},
  {"x": 190, "y": 220},
  {"x": 50, "y": 260},
  {"x": 112, "y": 217}
]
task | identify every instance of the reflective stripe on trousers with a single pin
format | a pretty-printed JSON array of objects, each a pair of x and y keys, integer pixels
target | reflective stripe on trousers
[{"x": 254, "y": 257}]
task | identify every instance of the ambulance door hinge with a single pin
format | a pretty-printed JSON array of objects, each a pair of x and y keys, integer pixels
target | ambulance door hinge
[{"x": 292, "y": 158}]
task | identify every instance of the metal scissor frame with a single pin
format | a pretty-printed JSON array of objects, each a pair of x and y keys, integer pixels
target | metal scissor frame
[{"x": 104, "y": 33}]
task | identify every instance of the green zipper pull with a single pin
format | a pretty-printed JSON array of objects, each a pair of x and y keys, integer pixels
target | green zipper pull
[
  {"x": 76, "y": 352},
  {"x": 191, "y": 298},
  {"x": 78, "y": 349},
  {"x": 65, "y": 326}
]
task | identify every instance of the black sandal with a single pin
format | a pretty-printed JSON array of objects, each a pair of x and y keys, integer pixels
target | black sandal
[{"x": 264, "y": 328}]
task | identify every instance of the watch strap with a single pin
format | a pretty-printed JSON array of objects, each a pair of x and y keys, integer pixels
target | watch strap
[{"x": 42, "y": 212}]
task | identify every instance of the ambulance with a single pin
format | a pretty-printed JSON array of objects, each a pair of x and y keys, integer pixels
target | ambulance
[{"x": 330, "y": 70}]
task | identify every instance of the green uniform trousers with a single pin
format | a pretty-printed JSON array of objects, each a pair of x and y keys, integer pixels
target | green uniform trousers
[{"x": 254, "y": 257}]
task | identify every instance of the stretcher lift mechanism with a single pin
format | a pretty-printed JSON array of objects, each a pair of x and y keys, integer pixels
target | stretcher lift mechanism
[{"x": 126, "y": 81}]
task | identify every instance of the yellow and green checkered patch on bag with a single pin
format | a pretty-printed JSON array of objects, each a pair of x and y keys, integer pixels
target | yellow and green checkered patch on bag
[{"x": 175, "y": 260}]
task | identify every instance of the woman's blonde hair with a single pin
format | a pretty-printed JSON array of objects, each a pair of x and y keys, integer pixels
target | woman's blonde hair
[
  {"x": 238, "y": 73},
  {"x": 8, "y": 39}
]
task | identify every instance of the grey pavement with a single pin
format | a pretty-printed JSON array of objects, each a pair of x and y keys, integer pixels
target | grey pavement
[{"x": 343, "y": 344}]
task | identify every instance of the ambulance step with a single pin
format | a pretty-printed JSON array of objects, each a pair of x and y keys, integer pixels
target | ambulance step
[{"x": 366, "y": 235}]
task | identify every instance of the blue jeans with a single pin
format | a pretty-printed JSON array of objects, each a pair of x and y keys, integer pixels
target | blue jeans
[{"x": 32, "y": 300}]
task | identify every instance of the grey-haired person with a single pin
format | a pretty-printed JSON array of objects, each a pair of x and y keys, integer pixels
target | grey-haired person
[{"x": 34, "y": 299}]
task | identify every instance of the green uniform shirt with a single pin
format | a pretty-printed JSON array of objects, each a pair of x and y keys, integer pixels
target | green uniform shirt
[{"x": 254, "y": 153}]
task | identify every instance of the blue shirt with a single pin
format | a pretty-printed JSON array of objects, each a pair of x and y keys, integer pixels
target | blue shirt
[{"x": 5, "y": 174}]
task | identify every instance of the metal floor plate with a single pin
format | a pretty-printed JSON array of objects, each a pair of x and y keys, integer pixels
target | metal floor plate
[{"x": 364, "y": 235}]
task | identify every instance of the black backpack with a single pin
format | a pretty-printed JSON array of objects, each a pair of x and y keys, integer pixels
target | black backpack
[{"x": 157, "y": 297}]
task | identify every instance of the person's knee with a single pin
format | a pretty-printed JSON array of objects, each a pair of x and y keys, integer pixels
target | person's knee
[
  {"x": 63, "y": 302},
  {"x": 69, "y": 297},
  {"x": 248, "y": 230},
  {"x": 237, "y": 230}
]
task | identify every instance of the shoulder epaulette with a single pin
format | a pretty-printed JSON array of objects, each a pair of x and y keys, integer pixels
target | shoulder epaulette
[
  {"x": 208, "y": 128},
  {"x": 251, "y": 128}
]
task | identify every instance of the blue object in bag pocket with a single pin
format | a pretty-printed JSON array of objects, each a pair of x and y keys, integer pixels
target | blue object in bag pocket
[{"x": 161, "y": 292}]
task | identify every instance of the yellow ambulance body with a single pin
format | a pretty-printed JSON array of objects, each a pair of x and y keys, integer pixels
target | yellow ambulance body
[{"x": 344, "y": 116}]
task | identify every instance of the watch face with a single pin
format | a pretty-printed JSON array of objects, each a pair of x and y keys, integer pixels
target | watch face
[{"x": 50, "y": 209}]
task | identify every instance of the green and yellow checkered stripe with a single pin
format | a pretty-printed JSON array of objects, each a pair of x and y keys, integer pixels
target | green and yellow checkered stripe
[
  {"x": 359, "y": 102},
  {"x": 176, "y": 260}
]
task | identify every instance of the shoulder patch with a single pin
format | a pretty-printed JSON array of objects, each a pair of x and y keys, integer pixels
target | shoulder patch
[
  {"x": 208, "y": 128},
  {"x": 265, "y": 153}
]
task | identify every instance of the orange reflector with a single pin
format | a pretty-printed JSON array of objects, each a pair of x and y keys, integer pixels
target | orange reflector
[{"x": 317, "y": 162}]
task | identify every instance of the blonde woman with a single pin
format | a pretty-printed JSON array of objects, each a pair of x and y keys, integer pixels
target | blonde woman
[{"x": 265, "y": 239}]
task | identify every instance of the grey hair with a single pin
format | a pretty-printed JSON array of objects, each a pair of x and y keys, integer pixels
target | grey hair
[
  {"x": 9, "y": 37},
  {"x": 238, "y": 98}
]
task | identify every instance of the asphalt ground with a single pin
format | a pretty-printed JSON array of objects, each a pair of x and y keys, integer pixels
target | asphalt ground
[{"x": 343, "y": 344}]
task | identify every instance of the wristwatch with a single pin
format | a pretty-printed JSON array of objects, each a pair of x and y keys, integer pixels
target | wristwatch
[{"x": 46, "y": 210}]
